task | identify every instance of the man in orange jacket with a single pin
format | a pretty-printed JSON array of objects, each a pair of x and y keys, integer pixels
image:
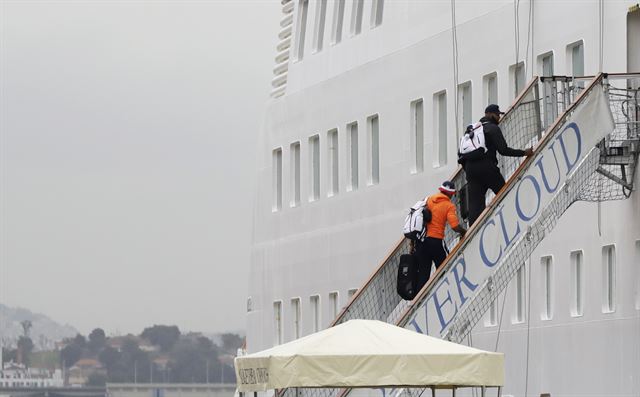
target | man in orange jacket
[{"x": 433, "y": 248}]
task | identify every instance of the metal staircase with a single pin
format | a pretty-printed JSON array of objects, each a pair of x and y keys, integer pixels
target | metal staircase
[{"x": 602, "y": 167}]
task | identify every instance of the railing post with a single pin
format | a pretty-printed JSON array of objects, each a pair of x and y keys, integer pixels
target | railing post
[
  {"x": 545, "y": 106},
  {"x": 536, "y": 98}
]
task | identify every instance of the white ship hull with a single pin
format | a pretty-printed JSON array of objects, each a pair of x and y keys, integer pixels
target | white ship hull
[{"x": 315, "y": 241}]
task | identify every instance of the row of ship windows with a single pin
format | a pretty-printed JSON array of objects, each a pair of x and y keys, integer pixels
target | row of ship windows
[
  {"x": 296, "y": 313},
  {"x": 577, "y": 287},
  {"x": 576, "y": 305},
  {"x": 416, "y": 132},
  {"x": 357, "y": 16},
  {"x": 373, "y": 160},
  {"x": 417, "y": 136}
]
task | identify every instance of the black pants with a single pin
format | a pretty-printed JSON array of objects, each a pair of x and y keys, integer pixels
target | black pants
[
  {"x": 428, "y": 251},
  {"x": 481, "y": 177}
]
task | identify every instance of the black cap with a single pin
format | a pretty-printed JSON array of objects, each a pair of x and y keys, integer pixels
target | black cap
[{"x": 493, "y": 108}]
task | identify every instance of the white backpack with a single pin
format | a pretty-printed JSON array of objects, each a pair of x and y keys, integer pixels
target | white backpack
[
  {"x": 472, "y": 139},
  {"x": 416, "y": 221}
]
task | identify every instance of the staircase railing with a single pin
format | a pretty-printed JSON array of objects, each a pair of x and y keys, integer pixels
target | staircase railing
[{"x": 518, "y": 243}]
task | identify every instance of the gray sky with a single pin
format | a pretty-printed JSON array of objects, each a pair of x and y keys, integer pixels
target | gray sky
[{"x": 127, "y": 158}]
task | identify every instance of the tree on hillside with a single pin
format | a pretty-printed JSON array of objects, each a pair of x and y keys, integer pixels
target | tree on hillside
[
  {"x": 25, "y": 346},
  {"x": 9, "y": 355},
  {"x": 164, "y": 336},
  {"x": 70, "y": 354},
  {"x": 74, "y": 350},
  {"x": 231, "y": 342},
  {"x": 190, "y": 359},
  {"x": 26, "y": 326},
  {"x": 128, "y": 365},
  {"x": 109, "y": 357},
  {"x": 80, "y": 341},
  {"x": 97, "y": 340}
]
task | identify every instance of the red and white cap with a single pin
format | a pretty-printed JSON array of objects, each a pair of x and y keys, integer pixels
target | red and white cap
[{"x": 447, "y": 187}]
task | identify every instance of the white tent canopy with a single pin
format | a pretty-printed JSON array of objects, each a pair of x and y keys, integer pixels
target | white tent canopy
[{"x": 367, "y": 353}]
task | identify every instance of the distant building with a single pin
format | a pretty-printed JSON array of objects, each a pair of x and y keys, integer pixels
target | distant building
[
  {"x": 18, "y": 375},
  {"x": 79, "y": 373}
]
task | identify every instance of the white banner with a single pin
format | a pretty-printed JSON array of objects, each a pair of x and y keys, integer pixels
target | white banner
[{"x": 548, "y": 171}]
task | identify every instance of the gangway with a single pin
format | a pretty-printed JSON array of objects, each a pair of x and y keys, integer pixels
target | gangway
[{"x": 586, "y": 134}]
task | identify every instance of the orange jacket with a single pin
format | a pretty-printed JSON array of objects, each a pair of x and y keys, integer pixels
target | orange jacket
[{"x": 442, "y": 211}]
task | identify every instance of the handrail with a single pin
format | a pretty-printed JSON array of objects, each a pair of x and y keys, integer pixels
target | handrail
[
  {"x": 398, "y": 245},
  {"x": 494, "y": 204}
]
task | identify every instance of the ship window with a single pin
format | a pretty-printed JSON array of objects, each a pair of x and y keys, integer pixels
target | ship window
[
  {"x": 545, "y": 63},
  {"x": 575, "y": 52},
  {"x": 301, "y": 27},
  {"x": 335, "y": 304},
  {"x": 353, "y": 155},
  {"x": 516, "y": 78},
  {"x": 490, "y": 88},
  {"x": 332, "y": 138},
  {"x": 277, "y": 317},
  {"x": 491, "y": 318},
  {"x": 338, "y": 19},
  {"x": 465, "y": 103},
  {"x": 321, "y": 12},
  {"x": 314, "y": 167},
  {"x": 546, "y": 264},
  {"x": 351, "y": 292},
  {"x": 249, "y": 305},
  {"x": 440, "y": 105},
  {"x": 295, "y": 314},
  {"x": 315, "y": 312},
  {"x": 295, "y": 174},
  {"x": 637, "y": 271},
  {"x": 377, "y": 7},
  {"x": 373, "y": 125},
  {"x": 577, "y": 283},
  {"x": 608, "y": 279},
  {"x": 417, "y": 135},
  {"x": 577, "y": 58},
  {"x": 277, "y": 179},
  {"x": 520, "y": 301},
  {"x": 633, "y": 43},
  {"x": 356, "y": 17}
]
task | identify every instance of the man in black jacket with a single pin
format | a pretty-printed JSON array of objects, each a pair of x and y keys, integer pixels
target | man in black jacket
[{"x": 482, "y": 168}]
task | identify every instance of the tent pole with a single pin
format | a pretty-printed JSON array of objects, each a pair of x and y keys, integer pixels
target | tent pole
[
  {"x": 499, "y": 391},
  {"x": 484, "y": 391},
  {"x": 453, "y": 392},
  {"x": 433, "y": 391}
]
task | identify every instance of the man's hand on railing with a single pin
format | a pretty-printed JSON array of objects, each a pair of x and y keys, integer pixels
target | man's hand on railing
[
  {"x": 528, "y": 152},
  {"x": 461, "y": 230}
]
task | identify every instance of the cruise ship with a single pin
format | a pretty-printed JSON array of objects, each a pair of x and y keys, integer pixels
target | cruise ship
[{"x": 369, "y": 100}]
